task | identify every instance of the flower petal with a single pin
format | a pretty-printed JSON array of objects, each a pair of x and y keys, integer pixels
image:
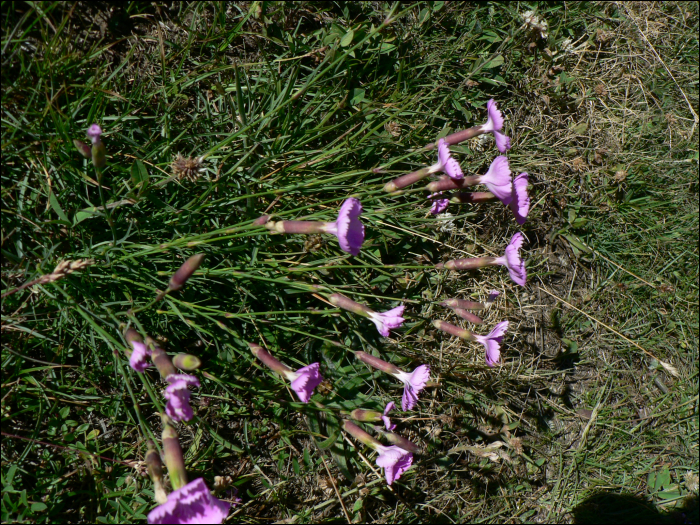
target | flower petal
[{"x": 351, "y": 232}]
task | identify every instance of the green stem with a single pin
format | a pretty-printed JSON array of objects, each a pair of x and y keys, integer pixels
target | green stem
[{"x": 108, "y": 213}]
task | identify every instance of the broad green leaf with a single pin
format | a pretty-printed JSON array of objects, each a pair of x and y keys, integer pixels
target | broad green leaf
[
  {"x": 497, "y": 61},
  {"x": 347, "y": 38}
]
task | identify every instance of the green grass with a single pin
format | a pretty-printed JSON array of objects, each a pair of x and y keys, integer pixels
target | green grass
[{"x": 295, "y": 108}]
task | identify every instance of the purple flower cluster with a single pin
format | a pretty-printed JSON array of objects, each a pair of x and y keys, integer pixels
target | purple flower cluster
[{"x": 192, "y": 502}]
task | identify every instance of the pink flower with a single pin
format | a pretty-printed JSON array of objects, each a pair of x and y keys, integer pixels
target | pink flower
[
  {"x": 394, "y": 460},
  {"x": 498, "y": 179},
  {"x": 305, "y": 380},
  {"x": 192, "y": 503},
  {"x": 492, "y": 342},
  {"x": 385, "y": 418},
  {"x": 413, "y": 384},
  {"x": 494, "y": 124},
  {"x": 178, "y": 396},
  {"x": 348, "y": 228},
  {"x": 512, "y": 260},
  {"x": 492, "y": 297},
  {"x": 94, "y": 133},
  {"x": 385, "y": 321},
  {"x": 139, "y": 356},
  {"x": 520, "y": 203},
  {"x": 446, "y": 163},
  {"x": 439, "y": 205}
]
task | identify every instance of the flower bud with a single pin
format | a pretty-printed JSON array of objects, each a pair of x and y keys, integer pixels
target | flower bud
[
  {"x": 366, "y": 416},
  {"x": 268, "y": 360},
  {"x": 83, "y": 148},
  {"x": 377, "y": 363},
  {"x": 453, "y": 330},
  {"x": 468, "y": 316},
  {"x": 359, "y": 434},
  {"x": 461, "y": 303},
  {"x": 399, "y": 441},
  {"x": 185, "y": 271},
  {"x": 348, "y": 304},
  {"x": 155, "y": 472},
  {"x": 161, "y": 359},
  {"x": 187, "y": 362},
  {"x": 172, "y": 453},
  {"x": 132, "y": 336}
]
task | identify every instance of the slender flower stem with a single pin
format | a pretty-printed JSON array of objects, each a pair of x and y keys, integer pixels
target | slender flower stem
[{"x": 108, "y": 213}]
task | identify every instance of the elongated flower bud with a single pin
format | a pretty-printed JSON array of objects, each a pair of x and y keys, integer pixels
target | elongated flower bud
[
  {"x": 461, "y": 303},
  {"x": 359, "y": 434},
  {"x": 185, "y": 271},
  {"x": 454, "y": 330},
  {"x": 366, "y": 416},
  {"x": 161, "y": 359},
  {"x": 298, "y": 226},
  {"x": 468, "y": 316},
  {"x": 377, "y": 363},
  {"x": 399, "y": 441},
  {"x": 269, "y": 361},
  {"x": 155, "y": 472},
  {"x": 132, "y": 336},
  {"x": 467, "y": 264},
  {"x": 172, "y": 453},
  {"x": 460, "y": 136},
  {"x": 348, "y": 304},
  {"x": 187, "y": 362},
  {"x": 83, "y": 148}
]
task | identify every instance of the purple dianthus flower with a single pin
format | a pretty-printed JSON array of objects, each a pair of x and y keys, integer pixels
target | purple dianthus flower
[
  {"x": 520, "y": 203},
  {"x": 138, "y": 360},
  {"x": 492, "y": 342},
  {"x": 494, "y": 125},
  {"x": 413, "y": 384},
  {"x": 305, "y": 380},
  {"x": 498, "y": 180},
  {"x": 192, "y": 503},
  {"x": 513, "y": 261},
  {"x": 394, "y": 460},
  {"x": 387, "y": 422},
  {"x": 178, "y": 396}
]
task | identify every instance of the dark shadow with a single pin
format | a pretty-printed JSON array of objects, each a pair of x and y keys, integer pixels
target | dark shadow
[{"x": 604, "y": 507}]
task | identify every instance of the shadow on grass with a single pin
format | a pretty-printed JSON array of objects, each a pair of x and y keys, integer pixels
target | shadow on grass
[{"x": 604, "y": 507}]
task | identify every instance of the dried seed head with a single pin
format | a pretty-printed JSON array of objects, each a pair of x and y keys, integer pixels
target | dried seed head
[
  {"x": 394, "y": 128},
  {"x": 186, "y": 167},
  {"x": 66, "y": 268}
]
